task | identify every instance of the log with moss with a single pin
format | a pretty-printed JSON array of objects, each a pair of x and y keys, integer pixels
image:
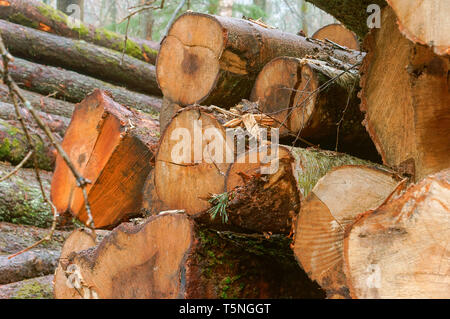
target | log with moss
[
  {"x": 56, "y": 124},
  {"x": 260, "y": 190},
  {"x": 266, "y": 187},
  {"x": 35, "y": 288},
  {"x": 74, "y": 87},
  {"x": 85, "y": 58},
  {"x": 38, "y": 15},
  {"x": 21, "y": 199},
  {"x": 352, "y": 13},
  {"x": 40, "y": 102},
  {"x": 185, "y": 261},
  {"x": 14, "y": 146},
  {"x": 220, "y": 66}
]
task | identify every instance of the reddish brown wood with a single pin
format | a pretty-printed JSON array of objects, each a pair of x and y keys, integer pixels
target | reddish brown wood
[
  {"x": 168, "y": 256},
  {"x": 113, "y": 147}
]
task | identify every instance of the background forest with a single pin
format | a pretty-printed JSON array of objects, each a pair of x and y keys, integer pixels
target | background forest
[{"x": 287, "y": 15}]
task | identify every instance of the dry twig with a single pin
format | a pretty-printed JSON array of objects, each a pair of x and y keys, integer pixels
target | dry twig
[{"x": 16, "y": 97}]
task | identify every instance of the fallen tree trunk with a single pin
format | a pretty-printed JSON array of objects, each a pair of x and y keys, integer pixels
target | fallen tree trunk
[
  {"x": 31, "y": 264},
  {"x": 338, "y": 34},
  {"x": 352, "y": 13},
  {"x": 21, "y": 200},
  {"x": 399, "y": 250},
  {"x": 79, "y": 56},
  {"x": 41, "y": 103},
  {"x": 56, "y": 124},
  {"x": 196, "y": 149},
  {"x": 74, "y": 87},
  {"x": 14, "y": 146},
  {"x": 15, "y": 238},
  {"x": 37, "y": 15},
  {"x": 113, "y": 147},
  {"x": 315, "y": 101},
  {"x": 406, "y": 101},
  {"x": 185, "y": 261},
  {"x": 36, "y": 288},
  {"x": 220, "y": 66},
  {"x": 331, "y": 206},
  {"x": 425, "y": 22},
  {"x": 266, "y": 188}
]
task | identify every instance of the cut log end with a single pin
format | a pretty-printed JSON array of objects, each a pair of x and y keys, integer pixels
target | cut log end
[
  {"x": 79, "y": 240},
  {"x": 188, "y": 62},
  {"x": 334, "y": 203},
  {"x": 187, "y": 167},
  {"x": 425, "y": 23},
  {"x": 201, "y": 264},
  {"x": 400, "y": 249},
  {"x": 111, "y": 146},
  {"x": 406, "y": 102},
  {"x": 338, "y": 34}
]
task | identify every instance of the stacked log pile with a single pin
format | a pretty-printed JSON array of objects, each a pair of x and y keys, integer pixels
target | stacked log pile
[
  {"x": 57, "y": 66},
  {"x": 351, "y": 202}
]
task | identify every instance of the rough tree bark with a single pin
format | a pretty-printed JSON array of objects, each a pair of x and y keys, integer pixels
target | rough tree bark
[
  {"x": 168, "y": 111},
  {"x": 220, "y": 66},
  {"x": 406, "y": 100},
  {"x": 21, "y": 199},
  {"x": 41, "y": 103},
  {"x": 266, "y": 197},
  {"x": 400, "y": 250},
  {"x": 56, "y": 124},
  {"x": 14, "y": 145},
  {"x": 331, "y": 206},
  {"x": 315, "y": 101},
  {"x": 37, "y": 15},
  {"x": 79, "y": 56},
  {"x": 195, "y": 148},
  {"x": 113, "y": 147},
  {"x": 74, "y": 87},
  {"x": 31, "y": 264},
  {"x": 338, "y": 34},
  {"x": 186, "y": 261},
  {"x": 36, "y": 288},
  {"x": 352, "y": 13}
]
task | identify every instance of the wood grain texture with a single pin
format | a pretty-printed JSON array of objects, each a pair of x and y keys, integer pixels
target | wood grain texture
[{"x": 400, "y": 250}]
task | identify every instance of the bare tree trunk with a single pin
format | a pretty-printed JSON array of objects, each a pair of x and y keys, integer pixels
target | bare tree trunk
[
  {"x": 226, "y": 8},
  {"x": 146, "y": 23}
]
